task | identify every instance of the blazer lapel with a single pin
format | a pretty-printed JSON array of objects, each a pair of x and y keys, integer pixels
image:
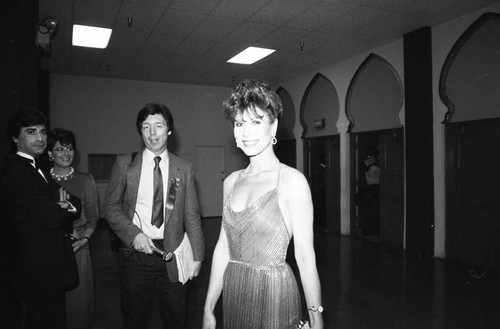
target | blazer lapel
[
  {"x": 133, "y": 179},
  {"x": 27, "y": 162},
  {"x": 173, "y": 186}
]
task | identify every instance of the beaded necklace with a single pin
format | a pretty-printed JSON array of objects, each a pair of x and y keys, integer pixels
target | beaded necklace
[{"x": 64, "y": 177}]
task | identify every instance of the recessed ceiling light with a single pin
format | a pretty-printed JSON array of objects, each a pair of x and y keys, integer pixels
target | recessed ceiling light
[
  {"x": 91, "y": 36},
  {"x": 251, "y": 55}
]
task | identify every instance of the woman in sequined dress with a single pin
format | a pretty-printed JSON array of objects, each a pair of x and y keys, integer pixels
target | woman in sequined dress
[
  {"x": 80, "y": 305},
  {"x": 265, "y": 205}
]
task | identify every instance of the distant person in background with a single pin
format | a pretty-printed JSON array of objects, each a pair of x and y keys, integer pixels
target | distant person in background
[
  {"x": 80, "y": 304},
  {"x": 265, "y": 205},
  {"x": 319, "y": 191},
  {"x": 39, "y": 265},
  {"x": 372, "y": 176}
]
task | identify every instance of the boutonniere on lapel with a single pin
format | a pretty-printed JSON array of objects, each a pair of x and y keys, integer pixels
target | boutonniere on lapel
[{"x": 172, "y": 191}]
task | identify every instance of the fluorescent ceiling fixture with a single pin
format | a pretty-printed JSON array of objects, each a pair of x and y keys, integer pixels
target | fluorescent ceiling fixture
[
  {"x": 251, "y": 55},
  {"x": 90, "y": 36}
]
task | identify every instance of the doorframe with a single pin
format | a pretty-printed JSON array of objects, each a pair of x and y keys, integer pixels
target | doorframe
[
  {"x": 354, "y": 169},
  {"x": 332, "y": 224},
  {"x": 452, "y": 131}
]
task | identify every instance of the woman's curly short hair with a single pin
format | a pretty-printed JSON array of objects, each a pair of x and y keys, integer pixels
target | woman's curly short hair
[
  {"x": 63, "y": 136},
  {"x": 249, "y": 95}
]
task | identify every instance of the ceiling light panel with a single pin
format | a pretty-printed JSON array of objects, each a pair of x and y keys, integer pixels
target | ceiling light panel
[
  {"x": 251, "y": 55},
  {"x": 91, "y": 36}
]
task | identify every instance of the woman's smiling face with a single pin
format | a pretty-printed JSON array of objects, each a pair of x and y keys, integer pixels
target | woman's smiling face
[
  {"x": 254, "y": 131},
  {"x": 63, "y": 155}
]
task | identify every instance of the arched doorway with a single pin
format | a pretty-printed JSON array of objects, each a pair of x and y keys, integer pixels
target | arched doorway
[
  {"x": 319, "y": 115},
  {"x": 374, "y": 100}
]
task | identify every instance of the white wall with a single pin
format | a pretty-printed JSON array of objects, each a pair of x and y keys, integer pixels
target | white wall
[{"x": 102, "y": 113}]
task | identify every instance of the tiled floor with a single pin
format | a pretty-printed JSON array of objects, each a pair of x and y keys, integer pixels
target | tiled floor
[{"x": 364, "y": 284}]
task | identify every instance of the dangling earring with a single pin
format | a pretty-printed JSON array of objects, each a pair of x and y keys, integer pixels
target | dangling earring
[
  {"x": 51, "y": 158},
  {"x": 274, "y": 140},
  {"x": 237, "y": 145}
]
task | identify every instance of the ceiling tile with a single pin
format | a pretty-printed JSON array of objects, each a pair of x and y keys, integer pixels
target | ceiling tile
[
  {"x": 281, "y": 37},
  {"x": 96, "y": 12},
  {"x": 242, "y": 9},
  {"x": 321, "y": 14},
  {"x": 354, "y": 20},
  {"x": 196, "y": 6},
  {"x": 192, "y": 48},
  {"x": 249, "y": 32},
  {"x": 278, "y": 12},
  {"x": 155, "y": 3},
  {"x": 178, "y": 24},
  {"x": 215, "y": 28},
  {"x": 155, "y": 50},
  {"x": 144, "y": 17},
  {"x": 127, "y": 42}
]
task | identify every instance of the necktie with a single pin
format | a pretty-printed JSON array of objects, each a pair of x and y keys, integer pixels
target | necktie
[{"x": 157, "y": 217}]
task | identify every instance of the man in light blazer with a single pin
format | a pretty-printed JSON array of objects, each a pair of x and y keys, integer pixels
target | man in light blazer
[{"x": 150, "y": 202}]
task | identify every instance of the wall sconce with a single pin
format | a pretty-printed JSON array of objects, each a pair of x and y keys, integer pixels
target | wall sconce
[
  {"x": 46, "y": 30},
  {"x": 319, "y": 123}
]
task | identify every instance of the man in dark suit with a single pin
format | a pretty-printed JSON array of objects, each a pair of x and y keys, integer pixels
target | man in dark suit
[
  {"x": 150, "y": 202},
  {"x": 37, "y": 215}
]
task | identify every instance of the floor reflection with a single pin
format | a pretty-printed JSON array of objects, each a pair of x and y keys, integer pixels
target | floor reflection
[{"x": 365, "y": 284}]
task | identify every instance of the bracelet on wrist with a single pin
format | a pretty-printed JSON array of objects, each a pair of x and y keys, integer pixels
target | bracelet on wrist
[{"x": 318, "y": 309}]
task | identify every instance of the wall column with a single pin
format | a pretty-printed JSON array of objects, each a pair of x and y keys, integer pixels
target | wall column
[{"x": 419, "y": 142}]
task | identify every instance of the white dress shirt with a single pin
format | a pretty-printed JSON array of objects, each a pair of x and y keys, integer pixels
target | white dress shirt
[{"x": 144, "y": 205}]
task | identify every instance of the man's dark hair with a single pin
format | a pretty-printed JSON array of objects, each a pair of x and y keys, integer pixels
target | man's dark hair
[
  {"x": 151, "y": 109},
  {"x": 25, "y": 117}
]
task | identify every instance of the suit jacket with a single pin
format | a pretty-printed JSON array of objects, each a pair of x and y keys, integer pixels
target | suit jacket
[
  {"x": 121, "y": 197},
  {"x": 36, "y": 228}
]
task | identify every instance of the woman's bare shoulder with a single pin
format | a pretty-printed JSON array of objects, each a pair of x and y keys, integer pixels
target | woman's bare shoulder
[
  {"x": 291, "y": 179},
  {"x": 229, "y": 180}
]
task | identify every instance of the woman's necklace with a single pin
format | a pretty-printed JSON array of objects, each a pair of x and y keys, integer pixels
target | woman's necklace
[{"x": 64, "y": 177}]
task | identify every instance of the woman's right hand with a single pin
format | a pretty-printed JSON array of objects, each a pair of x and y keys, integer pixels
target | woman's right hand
[{"x": 208, "y": 320}]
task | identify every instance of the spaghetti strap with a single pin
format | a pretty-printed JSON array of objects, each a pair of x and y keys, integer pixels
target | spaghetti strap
[
  {"x": 279, "y": 172},
  {"x": 278, "y": 181},
  {"x": 230, "y": 194}
]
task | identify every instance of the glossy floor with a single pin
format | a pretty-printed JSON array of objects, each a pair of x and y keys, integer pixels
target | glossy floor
[{"x": 364, "y": 285}]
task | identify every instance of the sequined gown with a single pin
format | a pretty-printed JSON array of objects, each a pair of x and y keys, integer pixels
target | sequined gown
[{"x": 259, "y": 289}]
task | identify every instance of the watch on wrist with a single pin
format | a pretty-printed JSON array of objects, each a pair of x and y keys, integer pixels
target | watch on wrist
[{"x": 318, "y": 309}]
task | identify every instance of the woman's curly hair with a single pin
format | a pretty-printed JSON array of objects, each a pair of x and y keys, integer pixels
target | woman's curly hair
[{"x": 251, "y": 94}]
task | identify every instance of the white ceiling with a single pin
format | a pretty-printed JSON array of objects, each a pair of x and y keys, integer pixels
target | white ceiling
[{"x": 189, "y": 41}]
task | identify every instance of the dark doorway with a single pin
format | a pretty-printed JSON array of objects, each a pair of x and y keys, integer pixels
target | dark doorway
[
  {"x": 378, "y": 185},
  {"x": 473, "y": 203},
  {"x": 286, "y": 152},
  {"x": 322, "y": 167}
]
